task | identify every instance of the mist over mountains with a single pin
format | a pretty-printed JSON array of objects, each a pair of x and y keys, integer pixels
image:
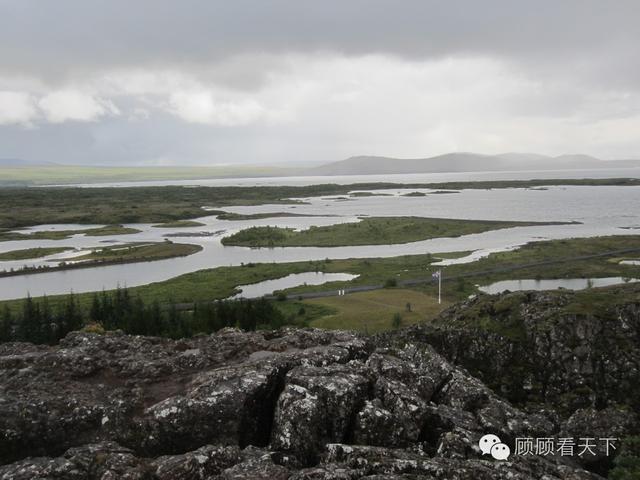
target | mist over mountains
[{"x": 466, "y": 162}]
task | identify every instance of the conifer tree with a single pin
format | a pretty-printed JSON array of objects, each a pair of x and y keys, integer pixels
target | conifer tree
[
  {"x": 47, "y": 333},
  {"x": 29, "y": 324},
  {"x": 6, "y": 325},
  {"x": 72, "y": 315}
]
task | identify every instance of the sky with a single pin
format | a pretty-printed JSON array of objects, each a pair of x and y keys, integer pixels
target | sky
[{"x": 207, "y": 82}]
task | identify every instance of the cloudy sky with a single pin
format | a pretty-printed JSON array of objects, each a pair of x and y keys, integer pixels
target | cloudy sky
[{"x": 203, "y": 82}]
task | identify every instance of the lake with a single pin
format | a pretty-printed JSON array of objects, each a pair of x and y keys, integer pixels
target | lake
[
  {"x": 267, "y": 287},
  {"x": 554, "y": 284},
  {"x": 395, "y": 178},
  {"x": 601, "y": 210}
]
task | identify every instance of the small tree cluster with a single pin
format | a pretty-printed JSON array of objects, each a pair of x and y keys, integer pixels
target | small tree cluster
[{"x": 36, "y": 322}]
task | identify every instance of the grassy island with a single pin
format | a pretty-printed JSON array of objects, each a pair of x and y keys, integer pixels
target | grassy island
[
  {"x": 369, "y": 231},
  {"x": 63, "y": 234},
  {"x": 113, "y": 255},
  {"x": 29, "y": 253}
]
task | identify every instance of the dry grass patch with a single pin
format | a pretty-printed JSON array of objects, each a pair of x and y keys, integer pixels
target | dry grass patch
[{"x": 372, "y": 312}]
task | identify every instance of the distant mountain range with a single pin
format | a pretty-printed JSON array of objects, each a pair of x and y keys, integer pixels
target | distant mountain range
[
  {"x": 369, "y": 165},
  {"x": 466, "y": 162}
]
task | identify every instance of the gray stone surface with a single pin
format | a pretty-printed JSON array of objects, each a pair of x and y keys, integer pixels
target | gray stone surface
[{"x": 312, "y": 405}]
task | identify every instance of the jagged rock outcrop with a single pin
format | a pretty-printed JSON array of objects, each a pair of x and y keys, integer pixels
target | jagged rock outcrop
[
  {"x": 290, "y": 404},
  {"x": 573, "y": 358},
  {"x": 563, "y": 348}
]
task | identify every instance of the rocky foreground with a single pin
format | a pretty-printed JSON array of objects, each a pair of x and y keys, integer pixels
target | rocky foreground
[{"x": 295, "y": 404}]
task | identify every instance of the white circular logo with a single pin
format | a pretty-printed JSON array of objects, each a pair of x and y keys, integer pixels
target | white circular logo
[
  {"x": 500, "y": 451},
  {"x": 486, "y": 442}
]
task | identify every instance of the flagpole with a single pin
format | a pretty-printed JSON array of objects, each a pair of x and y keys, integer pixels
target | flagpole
[{"x": 439, "y": 287}]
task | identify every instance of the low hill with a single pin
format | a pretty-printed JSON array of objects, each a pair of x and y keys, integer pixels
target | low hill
[{"x": 465, "y": 162}]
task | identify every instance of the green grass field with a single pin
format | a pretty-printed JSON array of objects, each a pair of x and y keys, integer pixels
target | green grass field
[
  {"x": 140, "y": 252},
  {"x": 372, "y": 312},
  {"x": 30, "y": 253},
  {"x": 109, "y": 230},
  {"x": 369, "y": 231},
  {"x": 558, "y": 249}
]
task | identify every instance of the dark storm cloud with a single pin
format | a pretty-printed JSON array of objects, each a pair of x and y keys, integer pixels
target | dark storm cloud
[
  {"x": 202, "y": 81},
  {"x": 63, "y": 36}
]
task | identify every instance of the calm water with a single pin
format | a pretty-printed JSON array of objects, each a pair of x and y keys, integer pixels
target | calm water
[
  {"x": 601, "y": 211},
  {"x": 397, "y": 178},
  {"x": 567, "y": 283},
  {"x": 267, "y": 287}
]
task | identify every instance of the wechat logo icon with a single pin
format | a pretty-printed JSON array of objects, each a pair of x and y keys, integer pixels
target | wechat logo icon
[{"x": 492, "y": 445}]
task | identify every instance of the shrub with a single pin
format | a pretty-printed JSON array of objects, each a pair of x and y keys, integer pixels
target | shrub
[
  {"x": 390, "y": 283},
  {"x": 627, "y": 463},
  {"x": 94, "y": 328},
  {"x": 396, "y": 320}
]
